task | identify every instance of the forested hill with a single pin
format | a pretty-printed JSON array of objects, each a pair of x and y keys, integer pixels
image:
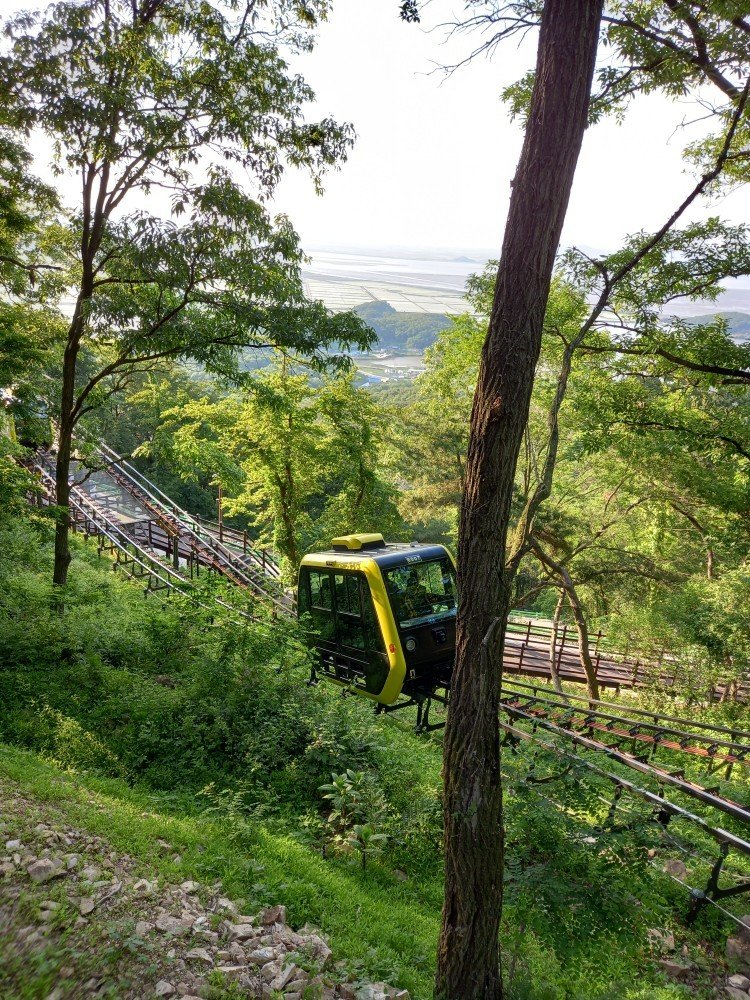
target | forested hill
[
  {"x": 404, "y": 331},
  {"x": 738, "y": 323}
]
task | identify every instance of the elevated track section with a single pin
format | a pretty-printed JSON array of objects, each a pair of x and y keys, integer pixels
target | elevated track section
[{"x": 650, "y": 756}]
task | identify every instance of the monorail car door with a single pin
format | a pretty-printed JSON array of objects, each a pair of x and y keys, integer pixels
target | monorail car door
[{"x": 348, "y": 637}]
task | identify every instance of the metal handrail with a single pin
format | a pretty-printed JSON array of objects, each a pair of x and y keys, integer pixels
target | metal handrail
[
  {"x": 188, "y": 521},
  {"x": 188, "y": 524}
]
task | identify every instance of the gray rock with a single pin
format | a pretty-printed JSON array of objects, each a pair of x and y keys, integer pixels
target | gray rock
[
  {"x": 241, "y": 932},
  {"x": 676, "y": 868},
  {"x": 273, "y": 915},
  {"x": 319, "y": 949},
  {"x": 283, "y": 935},
  {"x": 739, "y": 982},
  {"x": 676, "y": 970},
  {"x": 175, "y": 926},
  {"x": 662, "y": 939},
  {"x": 164, "y": 989},
  {"x": 232, "y": 971},
  {"x": 261, "y": 956},
  {"x": 44, "y": 869},
  {"x": 285, "y": 976},
  {"x": 190, "y": 886},
  {"x": 13, "y": 845},
  {"x": 143, "y": 928},
  {"x": 735, "y": 994},
  {"x": 201, "y": 954},
  {"x": 222, "y": 903},
  {"x": 270, "y": 971},
  {"x": 738, "y": 949},
  {"x": 87, "y": 905}
]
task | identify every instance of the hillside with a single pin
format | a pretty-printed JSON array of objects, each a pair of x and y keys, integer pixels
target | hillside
[
  {"x": 192, "y": 752},
  {"x": 738, "y": 323},
  {"x": 402, "y": 331}
]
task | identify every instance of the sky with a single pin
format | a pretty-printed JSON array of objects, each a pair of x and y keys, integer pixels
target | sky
[{"x": 434, "y": 157}]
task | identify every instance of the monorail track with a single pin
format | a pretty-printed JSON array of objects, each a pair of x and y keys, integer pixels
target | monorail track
[{"x": 152, "y": 539}]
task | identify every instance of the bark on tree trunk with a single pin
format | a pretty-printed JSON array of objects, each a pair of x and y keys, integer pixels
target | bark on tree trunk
[
  {"x": 584, "y": 653},
  {"x": 65, "y": 446},
  {"x": 468, "y": 955},
  {"x": 553, "y": 671},
  {"x": 579, "y": 617}
]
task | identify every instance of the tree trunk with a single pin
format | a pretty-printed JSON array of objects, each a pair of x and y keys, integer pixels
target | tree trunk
[
  {"x": 468, "y": 954},
  {"x": 584, "y": 653},
  {"x": 568, "y": 588},
  {"x": 553, "y": 671},
  {"x": 65, "y": 446}
]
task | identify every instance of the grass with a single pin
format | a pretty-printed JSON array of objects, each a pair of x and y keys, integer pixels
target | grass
[
  {"x": 149, "y": 692},
  {"x": 373, "y": 920}
]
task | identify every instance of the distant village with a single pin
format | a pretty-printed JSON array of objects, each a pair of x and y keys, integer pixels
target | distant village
[{"x": 382, "y": 366}]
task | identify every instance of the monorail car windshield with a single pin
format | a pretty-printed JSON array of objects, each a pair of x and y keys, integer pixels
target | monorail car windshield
[{"x": 382, "y": 616}]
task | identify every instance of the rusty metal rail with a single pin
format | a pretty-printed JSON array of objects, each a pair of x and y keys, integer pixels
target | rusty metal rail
[
  {"x": 164, "y": 526},
  {"x": 649, "y": 733}
]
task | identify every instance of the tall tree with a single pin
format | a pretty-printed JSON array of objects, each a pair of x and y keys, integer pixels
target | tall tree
[
  {"x": 149, "y": 98},
  {"x": 298, "y": 458},
  {"x": 468, "y": 964}
]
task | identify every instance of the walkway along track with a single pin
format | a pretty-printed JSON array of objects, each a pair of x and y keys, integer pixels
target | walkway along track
[
  {"x": 571, "y": 719},
  {"x": 126, "y": 499},
  {"x": 134, "y": 560}
]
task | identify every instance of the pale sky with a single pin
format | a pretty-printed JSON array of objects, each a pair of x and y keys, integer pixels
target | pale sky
[{"x": 434, "y": 157}]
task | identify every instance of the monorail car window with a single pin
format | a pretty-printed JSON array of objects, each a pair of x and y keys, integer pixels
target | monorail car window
[
  {"x": 320, "y": 590},
  {"x": 350, "y": 619},
  {"x": 421, "y": 591},
  {"x": 315, "y": 597}
]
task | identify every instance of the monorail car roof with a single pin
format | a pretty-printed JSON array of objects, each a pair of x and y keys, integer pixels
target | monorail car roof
[{"x": 386, "y": 555}]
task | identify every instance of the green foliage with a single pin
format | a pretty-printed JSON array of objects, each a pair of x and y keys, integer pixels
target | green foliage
[
  {"x": 213, "y": 726},
  {"x": 358, "y": 812},
  {"x": 299, "y": 460}
]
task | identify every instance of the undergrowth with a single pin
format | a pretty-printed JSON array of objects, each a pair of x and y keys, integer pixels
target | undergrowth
[{"x": 177, "y": 718}]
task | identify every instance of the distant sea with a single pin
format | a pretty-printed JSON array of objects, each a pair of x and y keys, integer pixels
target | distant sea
[
  {"x": 439, "y": 275},
  {"x": 432, "y": 270}
]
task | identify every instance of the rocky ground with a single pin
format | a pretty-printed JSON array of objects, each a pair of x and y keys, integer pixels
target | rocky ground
[{"x": 78, "y": 919}]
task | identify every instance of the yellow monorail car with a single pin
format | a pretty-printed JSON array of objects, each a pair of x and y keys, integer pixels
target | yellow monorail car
[{"x": 383, "y": 615}]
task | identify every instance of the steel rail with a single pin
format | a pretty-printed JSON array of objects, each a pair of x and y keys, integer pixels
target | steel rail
[
  {"x": 222, "y": 560},
  {"x": 689, "y": 788},
  {"x": 635, "y": 711},
  {"x": 124, "y": 543},
  {"x": 188, "y": 521},
  {"x": 737, "y": 752},
  {"x": 719, "y": 834}
]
